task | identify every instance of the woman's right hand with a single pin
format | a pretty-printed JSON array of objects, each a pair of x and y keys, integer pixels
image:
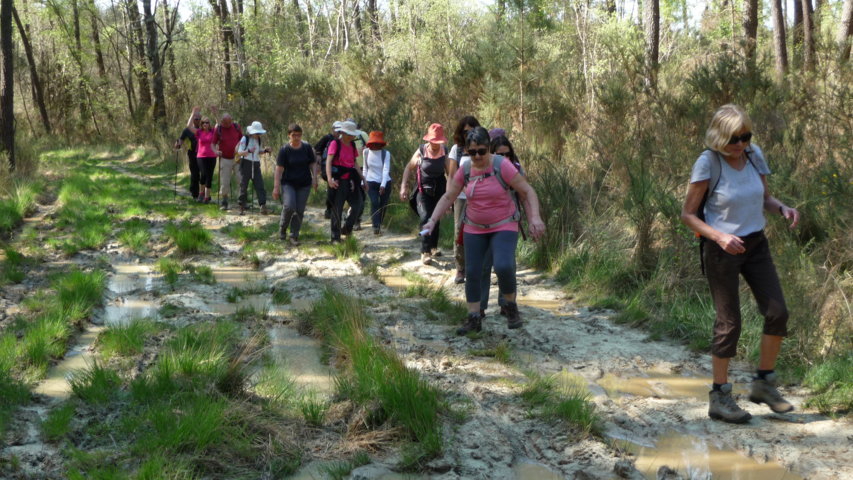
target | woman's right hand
[
  {"x": 276, "y": 192},
  {"x": 333, "y": 183},
  {"x": 404, "y": 193},
  {"x": 732, "y": 244},
  {"x": 428, "y": 227}
]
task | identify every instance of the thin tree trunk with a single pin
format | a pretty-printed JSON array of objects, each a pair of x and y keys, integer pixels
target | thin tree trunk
[
  {"x": 137, "y": 41},
  {"x": 779, "y": 46},
  {"x": 7, "y": 90},
  {"x": 238, "y": 37},
  {"x": 75, "y": 18},
  {"x": 300, "y": 27},
  {"x": 96, "y": 39},
  {"x": 38, "y": 94},
  {"x": 750, "y": 31},
  {"x": 808, "y": 36},
  {"x": 153, "y": 54},
  {"x": 373, "y": 16},
  {"x": 356, "y": 12},
  {"x": 845, "y": 30},
  {"x": 651, "y": 26},
  {"x": 221, "y": 10}
]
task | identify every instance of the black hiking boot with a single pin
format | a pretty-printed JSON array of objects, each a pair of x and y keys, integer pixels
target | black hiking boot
[
  {"x": 513, "y": 318},
  {"x": 473, "y": 323},
  {"x": 223, "y": 205}
]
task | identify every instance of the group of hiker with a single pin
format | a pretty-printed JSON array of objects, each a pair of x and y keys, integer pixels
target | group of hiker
[{"x": 480, "y": 177}]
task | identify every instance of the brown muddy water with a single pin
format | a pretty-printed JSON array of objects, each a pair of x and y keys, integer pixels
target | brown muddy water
[
  {"x": 694, "y": 458},
  {"x": 301, "y": 356},
  {"x": 656, "y": 384},
  {"x": 80, "y": 357}
]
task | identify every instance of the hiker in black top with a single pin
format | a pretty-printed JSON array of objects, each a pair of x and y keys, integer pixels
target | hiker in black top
[
  {"x": 187, "y": 134},
  {"x": 295, "y": 174},
  {"x": 432, "y": 168}
]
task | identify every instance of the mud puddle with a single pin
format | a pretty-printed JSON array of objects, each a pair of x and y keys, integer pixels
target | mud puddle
[
  {"x": 56, "y": 385},
  {"x": 529, "y": 470},
  {"x": 131, "y": 277},
  {"x": 694, "y": 458},
  {"x": 656, "y": 384},
  {"x": 302, "y": 358},
  {"x": 237, "y": 276}
]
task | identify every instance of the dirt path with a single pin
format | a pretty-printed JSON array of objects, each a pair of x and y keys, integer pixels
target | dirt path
[{"x": 651, "y": 395}]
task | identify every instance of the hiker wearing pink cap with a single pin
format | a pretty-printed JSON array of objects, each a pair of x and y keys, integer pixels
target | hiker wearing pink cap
[{"x": 431, "y": 172}]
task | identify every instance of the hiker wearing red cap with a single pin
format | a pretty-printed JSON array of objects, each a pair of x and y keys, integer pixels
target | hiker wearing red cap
[{"x": 432, "y": 169}]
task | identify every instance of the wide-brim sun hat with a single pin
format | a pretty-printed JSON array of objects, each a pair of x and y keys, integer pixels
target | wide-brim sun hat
[
  {"x": 349, "y": 128},
  {"x": 435, "y": 134},
  {"x": 256, "y": 128},
  {"x": 376, "y": 138},
  {"x": 337, "y": 125}
]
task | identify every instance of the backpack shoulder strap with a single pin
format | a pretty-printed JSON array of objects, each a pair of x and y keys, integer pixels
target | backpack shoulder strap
[
  {"x": 497, "y": 160},
  {"x": 716, "y": 167}
]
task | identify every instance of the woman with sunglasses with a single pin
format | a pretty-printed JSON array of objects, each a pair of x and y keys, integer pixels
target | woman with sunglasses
[
  {"x": 490, "y": 224},
  {"x": 206, "y": 158},
  {"x": 729, "y": 178},
  {"x": 457, "y": 151}
]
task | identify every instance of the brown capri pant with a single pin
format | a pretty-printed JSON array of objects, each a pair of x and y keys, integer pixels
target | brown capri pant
[{"x": 756, "y": 266}]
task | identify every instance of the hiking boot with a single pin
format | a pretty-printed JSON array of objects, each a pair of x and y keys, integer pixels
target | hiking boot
[
  {"x": 327, "y": 214},
  {"x": 346, "y": 231},
  {"x": 223, "y": 205},
  {"x": 503, "y": 310},
  {"x": 473, "y": 323},
  {"x": 206, "y": 200},
  {"x": 293, "y": 242},
  {"x": 460, "y": 277},
  {"x": 282, "y": 235},
  {"x": 357, "y": 226},
  {"x": 242, "y": 210},
  {"x": 436, "y": 252},
  {"x": 377, "y": 232},
  {"x": 513, "y": 318},
  {"x": 764, "y": 391},
  {"x": 426, "y": 258},
  {"x": 264, "y": 210},
  {"x": 723, "y": 407}
]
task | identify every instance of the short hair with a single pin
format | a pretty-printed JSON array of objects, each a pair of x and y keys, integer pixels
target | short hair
[
  {"x": 501, "y": 141},
  {"x": 459, "y": 132},
  {"x": 226, "y": 114},
  {"x": 478, "y": 136},
  {"x": 293, "y": 127},
  {"x": 727, "y": 121}
]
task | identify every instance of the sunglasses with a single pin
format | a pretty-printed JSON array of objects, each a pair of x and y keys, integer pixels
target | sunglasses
[
  {"x": 745, "y": 138},
  {"x": 479, "y": 151},
  {"x": 205, "y": 123}
]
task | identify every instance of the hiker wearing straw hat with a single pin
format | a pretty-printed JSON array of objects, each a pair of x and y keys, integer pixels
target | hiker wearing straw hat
[{"x": 250, "y": 150}]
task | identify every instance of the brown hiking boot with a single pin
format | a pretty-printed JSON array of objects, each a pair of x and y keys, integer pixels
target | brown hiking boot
[
  {"x": 473, "y": 323},
  {"x": 513, "y": 318},
  {"x": 723, "y": 407},
  {"x": 764, "y": 391},
  {"x": 460, "y": 277},
  {"x": 264, "y": 210}
]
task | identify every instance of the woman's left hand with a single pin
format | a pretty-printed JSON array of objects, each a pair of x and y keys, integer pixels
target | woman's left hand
[
  {"x": 791, "y": 214},
  {"x": 537, "y": 228}
]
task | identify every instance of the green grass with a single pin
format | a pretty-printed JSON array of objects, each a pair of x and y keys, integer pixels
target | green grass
[
  {"x": 348, "y": 248},
  {"x": 563, "y": 399},
  {"x": 171, "y": 270},
  {"x": 248, "y": 313},
  {"x": 341, "y": 469},
  {"x": 134, "y": 235},
  {"x": 16, "y": 202},
  {"x": 832, "y": 385},
  {"x": 201, "y": 273},
  {"x": 439, "y": 306},
  {"x": 313, "y": 409},
  {"x": 280, "y": 296},
  {"x": 302, "y": 271},
  {"x": 125, "y": 340},
  {"x": 10, "y": 267},
  {"x": 95, "y": 385},
  {"x": 189, "y": 237},
  {"x": 373, "y": 373},
  {"x": 249, "y": 234},
  {"x": 79, "y": 292},
  {"x": 58, "y": 422},
  {"x": 501, "y": 352}
]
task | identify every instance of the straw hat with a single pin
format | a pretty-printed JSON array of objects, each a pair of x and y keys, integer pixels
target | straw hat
[{"x": 435, "y": 134}]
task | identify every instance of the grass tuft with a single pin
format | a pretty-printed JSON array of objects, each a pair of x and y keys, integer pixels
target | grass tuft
[
  {"x": 96, "y": 385},
  {"x": 125, "y": 340},
  {"x": 189, "y": 237},
  {"x": 58, "y": 422},
  {"x": 832, "y": 382},
  {"x": 565, "y": 399}
]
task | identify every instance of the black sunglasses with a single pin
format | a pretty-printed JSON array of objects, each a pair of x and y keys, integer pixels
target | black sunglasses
[
  {"x": 745, "y": 138},
  {"x": 480, "y": 151}
]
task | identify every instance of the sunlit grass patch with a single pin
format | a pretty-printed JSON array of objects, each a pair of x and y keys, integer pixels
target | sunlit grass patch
[
  {"x": 565, "y": 399},
  {"x": 313, "y": 409},
  {"x": 247, "y": 234},
  {"x": 189, "y": 237},
  {"x": 201, "y": 273},
  {"x": 348, "y": 248},
  {"x": 439, "y": 306},
  {"x": 125, "y": 340},
  {"x": 58, "y": 422},
  {"x": 302, "y": 271},
  {"x": 171, "y": 270},
  {"x": 95, "y": 385},
  {"x": 79, "y": 292},
  {"x": 11, "y": 267},
  {"x": 135, "y": 235},
  {"x": 17, "y": 202},
  {"x": 501, "y": 352},
  {"x": 832, "y": 382},
  {"x": 372, "y": 373}
]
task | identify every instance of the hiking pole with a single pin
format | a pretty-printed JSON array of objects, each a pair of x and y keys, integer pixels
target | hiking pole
[
  {"x": 177, "y": 153},
  {"x": 219, "y": 160}
]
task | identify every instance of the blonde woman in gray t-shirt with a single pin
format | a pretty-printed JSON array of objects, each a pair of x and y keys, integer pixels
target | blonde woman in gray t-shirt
[{"x": 733, "y": 174}]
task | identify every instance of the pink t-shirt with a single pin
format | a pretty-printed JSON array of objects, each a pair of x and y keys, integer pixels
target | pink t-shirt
[
  {"x": 488, "y": 202},
  {"x": 346, "y": 158},
  {"x": 205, "y": 143}
]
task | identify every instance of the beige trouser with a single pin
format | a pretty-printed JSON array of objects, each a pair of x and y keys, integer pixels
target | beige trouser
[{"x": 228, "y": 167}]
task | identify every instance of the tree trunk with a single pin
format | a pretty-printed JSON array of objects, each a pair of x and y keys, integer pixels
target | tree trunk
[
  {"x": 779, "y": 46},
  {"x": 610, "y": 7},
  {"x": 75, "y": 18},
  {"x": 238, "y": 38},
  {"x": 356, "y": 13},
  {"x": 138, "y": 49},
  {"x": 651, "y": 26},
  {"x": 845, "y": 29},
  {"x": 808, "y": 36},
  {"x": 300, "y": 28},
  {"x": 96, "y": 39},
  {"x": 38, "y": 94},
  {"x": 153, "y": 54},
  {"x": 7, "y": 90},
  {"x": 750, "y": 31},
  {"x": 221, "y": 10}
]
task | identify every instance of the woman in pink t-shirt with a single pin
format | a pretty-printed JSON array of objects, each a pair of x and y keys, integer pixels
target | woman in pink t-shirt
[
  {"x": 206, "y": 158},
  {"x": 490, "y": 224}
]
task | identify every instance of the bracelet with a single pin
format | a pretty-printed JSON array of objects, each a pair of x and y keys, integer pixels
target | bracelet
[{"x": 780, "y": 211}]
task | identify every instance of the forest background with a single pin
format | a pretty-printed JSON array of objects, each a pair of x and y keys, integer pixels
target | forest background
[{"x": 607, "y": 110}]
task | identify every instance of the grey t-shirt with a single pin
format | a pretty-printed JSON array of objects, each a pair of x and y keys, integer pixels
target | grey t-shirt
[{"x": 736, "y": 206}]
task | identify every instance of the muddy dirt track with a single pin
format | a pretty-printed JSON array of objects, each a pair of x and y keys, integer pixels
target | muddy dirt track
[{"x": 651, "y": 395}]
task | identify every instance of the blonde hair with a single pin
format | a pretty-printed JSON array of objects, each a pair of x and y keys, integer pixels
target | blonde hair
[
  {"x": 727, "y": 120},
  {"x": 205, "y": 119}
]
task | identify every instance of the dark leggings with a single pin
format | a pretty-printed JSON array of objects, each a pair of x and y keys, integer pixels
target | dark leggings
[
  {"x": 194, "y": 172},
  {"x": 500, "y": 246},
  {"x": 378, "y": 202},
  {"x": 348, "y": 191},
  {"x": 426, "y": 205},
  {"x": 723, "y": 271},
  {"x": 206, "y": 166}
]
